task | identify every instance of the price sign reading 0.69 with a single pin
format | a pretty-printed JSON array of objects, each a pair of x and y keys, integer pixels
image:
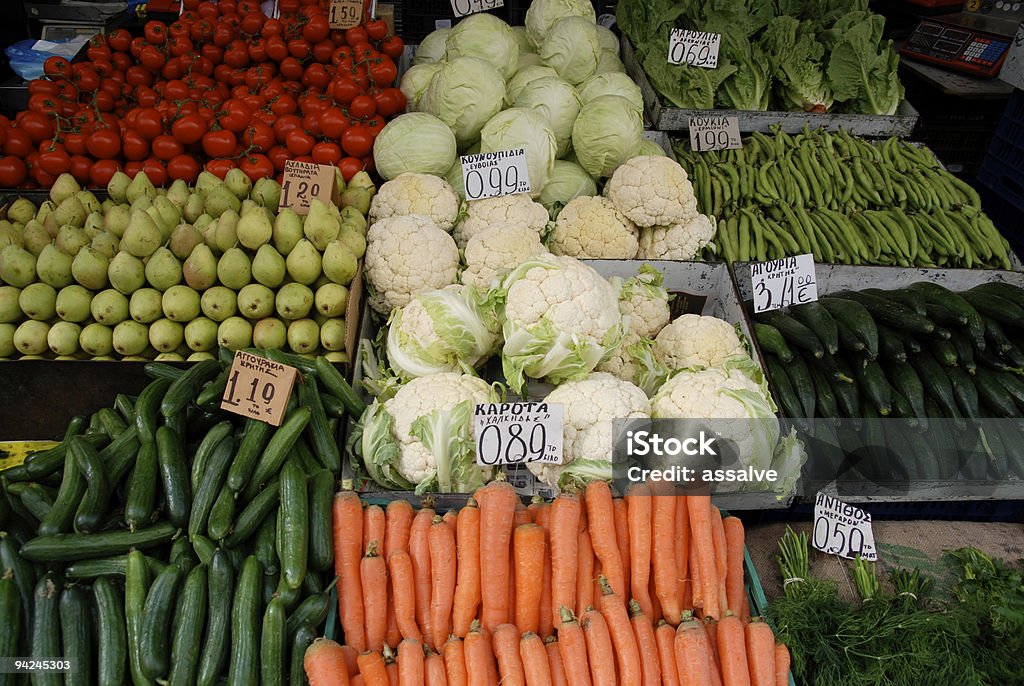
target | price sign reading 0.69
[
  {"x": 258, "y": 388},
  {"x": 461, "y": 8},
  {"x": 518, "y": 433},
  {"x": 491, "y": 174},
  {"x": 696, "y": 48}
]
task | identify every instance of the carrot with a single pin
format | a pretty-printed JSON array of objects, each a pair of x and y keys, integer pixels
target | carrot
[
  {"x": 646, "y": 644},
  {"x": 351, "y": 658},
  {"x": 700, "y": 531},
  {"x": 711, "y": 630},
  {"x": 419, "y": 552},
  {"x": 357, "y": 680},
  {"x": 745, "y": 614},
  {"x": 655, "y": 604},
  {"x": 403, "y": 581},
  {"x": 521, "y": 517},
  {"x": 542, "y": 517},
  {"x": 564, "y": 537},
  {"x": 433, "y": 670},
  {"x": 613, "y": 609},
  {"x": 441, "y": 540},
  {"x": 393, "y": 675},
  {"x": 621, "y": 514},
  {"x": 760, "y": 645},
  {"x": 373, "y": 575},
  {"x": 663, "y": 556},
  {"x": 324, "y": 663},
  {"x": 732, "y": 652},
  {"x": 720, "y": 547},
  {"x": 572, "y": 649},
  {"x": 693, "y": 654},
  {"x": 347, "y": 516},
  {"x": 371, "y": 667},
  {"x": 528, "y": 549},
  {"x": 506, "y": 651},
  {"x": 601, "y": 521},
  {"x": 455, "y": 662},
  {"x": 599, "y": 648},
  {"x": 397, "y": 523},
  {"x": 536, "y": 670},
  {"x": 781, "y": 665},
  {"x": 734, "y": 542},
  {"x": 555, "y": 662},
  {"x": 682, "y": 536},
  {"x": 584, "y": 573},
  {"x": 664, "y": 636},
  {"x": 638, "y": 513},
  {"x": 450, "y": 518},
  {"x": 410, "y": 663},
  {"x": 467, "y": 585},
  {"x": 374, "y": 526},
  {"x": 481, "y": 668},
  {"x": 536, "y": 505},
  {"x": 497, "y": 512},
  {"x": 696, "y": 587},
  {"x": 393, "y": 636},
  {"x": 598, "y": 573}
]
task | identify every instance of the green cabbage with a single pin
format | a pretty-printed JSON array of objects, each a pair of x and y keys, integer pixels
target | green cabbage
[
  {"x": 526, "y": 60},
  {"x": 431, "y": 48},
  {"x": 415, "y": 81},
  {"x": 414, "y": 142},
  {"x": 559, "y": 102},
  {"x": 612, "y": 84},
  {"x": 465, "y": 93},
  {"x": 650, "y": 148},
  {"x": 486, "y": 37},
  {"x": 542, "y": 15},
  {"x": 529, "y": 129},
  {"x": 568, "y": 180},
  {"x": 610, "y": 64},
  {"x": 572, "y": 49},
  {"x": 607, "y": 133},
  {"x": 525, "y": 76},
  {"x": 608, "y": 40},
  {"x": 523, "y": 38}
]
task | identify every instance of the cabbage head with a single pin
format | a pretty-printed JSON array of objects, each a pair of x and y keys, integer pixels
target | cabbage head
[
  {"x": 612, "y": 83},
  {"x": 414, "y": 142},
  {"x": 486, "y": 37},
  {"x": 526, "y": 76},
  {"x": 607, "y": 133},
  {"x": 608, "y": 40},
  {"x": 465, "y": 93},
  {"x": 431, "y": 48},
  {"x": 610, "y": 64},
  {"x": 543, "y": 14},
  {"x": 525, "y": 46},
  {"x": 518, "y": 127},
  {"x": 572, "y": 49},
  {"x": 559, "y": 102},
  {"x": 568, "y": 180},
  {"x": 651, "y": 149},
  {"x": 415, "y": 81}
]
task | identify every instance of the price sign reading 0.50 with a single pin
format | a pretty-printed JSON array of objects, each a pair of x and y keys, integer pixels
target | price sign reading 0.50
[
  {"x": 461, "y": 8},
  {"x": 518, "y": 433},
  {"x": 696, "y": 48},
  {"x": 258, "y": 388},
  {"x": 842, "y": 529},
  {"x": 489, "y": 175}
]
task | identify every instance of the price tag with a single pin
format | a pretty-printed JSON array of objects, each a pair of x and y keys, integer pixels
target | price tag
[
  {"x": 843, "y": 530},
  {"x": 785, "y": 282},
  {"x": 490, "y": 174},
  {"x": 461, "y": 8},
  {"x": 696, "y": 48},
  {"x": 344, "y": 14},
  {"x": 517, "y": 433},
  {"x": 304, "y": 181},
  {"x": 13, "y": 453},
  {"x": 715, "y": 133},
  {"x": 258, "y": 388}
]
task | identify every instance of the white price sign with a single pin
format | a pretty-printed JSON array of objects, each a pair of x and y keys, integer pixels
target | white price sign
[
  {"x": 843, "y": 530},
  {"x": 715, "y": 133},
  {"x": 526, "y": 483},
  {"x": 490, "y": 174},
  {"x": 785, "y": 282},
  {"x": 696, "y": 48},
  {"x": 461, "y": 8},
  {"x": 517, "y": 433}
]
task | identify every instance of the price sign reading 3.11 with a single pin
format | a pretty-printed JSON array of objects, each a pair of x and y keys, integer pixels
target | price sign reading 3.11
[
  {"x": 517, "y": 433},
  {"x": 258, "y": 388},
  {"x": 461, "y": 8},
  {"x": 696, "y": 48},
  {"x": 843, "y": 530},
  {"x": 715, "y": 133},
  {"x": 781, "y": 283},
  {"x": 490, "y": 174}
]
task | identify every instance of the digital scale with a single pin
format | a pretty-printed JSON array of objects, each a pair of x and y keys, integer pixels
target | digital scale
[{"x": 974, "y": 41}]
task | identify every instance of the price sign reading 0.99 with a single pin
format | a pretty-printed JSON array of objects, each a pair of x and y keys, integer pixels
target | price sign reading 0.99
[
  {"x": 518, "y": 433},
  {"x": 843, "y": 530},
  {"x": 781, "y": 283},
  {"x": 258, "y": 388},
  {"x": 461, "y": 8},
  {"x": 344, "y": 14},
  {"x": 304, "y": 181},
  {"x": 715, "y": 133},
  {"x": 490, "y": 174},
  {"x": 696, "y": 48}
]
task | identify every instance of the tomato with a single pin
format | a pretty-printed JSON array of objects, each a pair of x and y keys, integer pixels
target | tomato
[
  {"x": 155, "y": 170},
  {"x": 299, "y": 142},
  {"x": 258, "y": 51},
  {"x": 279, "y": 155},
  {"x": 326, "y": 153},
  {"x": 223, "y": 34},
  {"x": 362, "y": 107},
  {"x": 79, "y": 168},
  {"x": 189, "y": 129},
  {"x": 102, "y": 171},
  {"x": 322, "y": 51},
  {"x": 219, "y": 143},
  {"x": 300, "y": 48},
  {"x": 149, "y": 122},
  {"x": 54, "y": 160},
  {"x": 349, "y": 167},
  {"x": 166, "y": 147},
  {"x": 384, "y": 72},
  {"x": 183, "y": 167},
  {"x": 235, "y": 115},
  {"x": 252, "y": 22},
  {"x": 375, "y": 124},
  {"x": 284, "y": 125},
  {"x": 85, "y": 77},
  {"x": 137, "y": 74},
  {"x": 43, "y": 103},
  {"x": 155, "y": 32},
  {"x": 316, "y": 29},
  {"x": 276, "y": 48},
  {"x": 357, "y": 141},
  {"x": 220, "y": 168},
  {"x": 272, "y": 27},
  {"x": 121, "y": 61},
  {"x": 176, "y": 89},
  {"x": 214, "y": 54},
  {"x": 259, "y": 136},
  {"x": 356, "y": 35},
  {"x": 75, "y": 143},
  {"x": 133, "y": 146},
  {"x": 256, "y": 166},
  {"x": 120, "y": 40},
  {"x": 390, "y": 102},
  {"x": 284, "y": 105},
  {"x": 103, "y": 144},
  {"x": 38, "y": 126},
  {"x": 341, "y": 54},
  {"x": 376, "y": 29},
  {"x": 57, "y": 67},
  {"x": 345, "y": 90},
  {"x": 291, "y": 68},
  {"x": 258, "y": 77},
  {"x": 316, "y": 76}
]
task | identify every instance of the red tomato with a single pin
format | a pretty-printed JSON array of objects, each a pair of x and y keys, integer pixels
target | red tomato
[
  {"x": 257, "y": 166},
  {"x": 214, "y": 54},
  {"x": 103, "y": 144},
  {"x": 155, "y": 170},
  {"x": 102, "y": 171},
  {"x": 252, "y": 22},
  {"x": 138, "y": 74},
  {"x": 219, "y": 143},
  {"x": 220, "y": 168},
  {"x": 38, "y": 126},
  {"x": 85, "y": 77},
  {"x": 57, "y": 67},
  {"x": 235, "y": 115},
  {"x": 300, "y": 48},
  {"x": 189, "y": 129},
  {"x": 316, "y": 76},
  {"x": 74, "y": 143},
  {"x": 326, "y": 153},
  {"x": 316, "y": 29},
  {"x": 133, "y": 146},
  {"x": 183, "y": 167},
  {"x": 155, "y": 32},
  {"x": 148, "y": 122},
  {"x": 176, "y": 90},
  {"x": 383, "y": 73},
  {"x": 356, "y": 35},
  {"x": 322, "y": 51},
  {"x": 279, "y": 155},
  {"x": 350, "y": 166},
  {"x": 291, "y": 68},
  {"x": 223, "y": 34},
  {"x": 357, "y": 141},
  {"x": 44, "y": 104},
  {"x": 390, "y": 101},
  {"x": 362, "y": 107},
  {"x": 166, "y": 147},
  {"x": 258, "y": 136},
  {"x": 345, "y": 90},
  {"x": 80, "y": 168},
  {"x": 376, "y": 29},
  {"x": 272, "y": 27},
  {"x": 333, "y": 123},
  {"x": 258, "y": 51},
  {"x": 276, "y": 48},
  {"x": 54, "y": 161},
  {"x": 285, "y": 124},
  {"x": 120, "y": 40},
  {"x": 299, "y": 142}
]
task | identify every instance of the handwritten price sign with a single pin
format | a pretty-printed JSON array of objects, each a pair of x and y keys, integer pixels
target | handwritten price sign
[
  {"x": 715, "y": 133},
  {"x": 517, "y": 433},
  {"x": 461, "y": 8},
  {"x": 258, "y": 388},
  {"x": 344, "y": 14},
  {"x": 696, "y": 48},
  {"x": 304, "y": 181},
  {"x": 785, "y": 282},
  {"x": 843, "y": 530},
  {"x": 490, "y": 174}
]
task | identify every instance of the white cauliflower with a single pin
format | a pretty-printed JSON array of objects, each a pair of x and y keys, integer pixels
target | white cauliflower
[
  {"x": 693, "y": 341},
  {"x": 497, "y": 250},
  {"x": 652, "y": 191},
  {"x": 518, "y": 209},
  {"x": 561, "y": 320},
  {"x": 412, "y": 193},
  {"x": 678, "y": 241},
  {"x": 591, "y": 227},
  {"x": 590, "y": 406},
  {"x": 621, "y": 364},
  {"x": 405, "y": 256},
  {"x": 645, "y": 301}
]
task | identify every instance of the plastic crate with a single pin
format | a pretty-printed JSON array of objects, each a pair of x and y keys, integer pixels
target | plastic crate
[{"x": 1003, "y": 178}]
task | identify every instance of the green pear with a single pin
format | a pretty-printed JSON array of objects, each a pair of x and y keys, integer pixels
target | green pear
[
  {"x": 270, "y": 334},
  {"x": 321, "y": 226},
  {"x": 332, "y": 334},
  {"x": 18, "y": 266},
  {"x": 46, "y": 208},
  {"x": 109, "y": 307},
  {"x": 255, "y": 301},
  {"x": 158, "y": 220},
  {"x": 166, "y": 335},
  {"x": 339, "y": 180},
  {"x": 194, "y": 207},
  {"x": 234, "y": 269},
  {"x": 357, "y": 198},
  {"x": 126, "y": 272},
  {"x": 303, "y": 336},
  {"x": 117, "y": 187},
  {"x": 94, "y": 223},
  {"x": 141, "y": 203},
  {"x": 234, "y": 333},
  {"x": 106, "y": 205},
  {"x": 70, "y": 211},
  {"x": 304, "y": 263},
  {"x": 116, "y": 219},
  {"x": 361, "y": 179},
  {"x": 203, "y": 222},
  {"x": 53, "y": 266},
  {"x": 22, "y": 211},
  {"x": 146, "y": 305},
  {"x": 254, "y": 229},
  {"x": 331, "y": 300},
  {"x": 181, "y": 303},
  {"x": 268, "y": 267},
  {"x": 170, "y": 214},
  {"x": 227, "y": 230},
  {"x": 38, "y": 301},
  {"x": 10, "y": 235},
  {"x": 50, "y": 224},
  {"x": 293, "y": 301},
  {"x": 10, "y": 311},
  {"x": 355, "y": 241},
  {"x": 7, "y": 332},
  {"x": 247, "y": 207},
  {"x": 107, "y": 243},
  {"x": 97, "y": 340},
  {"x": 287, "y": 230},
  {"x": 238, "y": 183},
  {"x": 35, "y": 237},
  {"x": 62, "y": 338},
  {"x": 210, "y": 237},
  {"x": 207, "y": 183},
  {"x": 200, "y": 269},
  {"x": 163, "y": 269},
  {"x": 317, "y": 317},
  {"x": 336, "y": 357},
  {"x": 90, "y": 268},
  {"x": 201, "y": 334},
  {"x": 267, "y": 192},
  {"x": 30, "y": 337},
  {"x": 173, "y": 356},
  {"x": 352, "y": 219},
  {"x": 220, "y": 200},
  {"x": 178, "y": 193},
  {"x": 140, "y": 185},
  {"x": 130, "y": 337},
  {"x": 143, "y": 236},
  {"x": 339, "y": 264},
  {"x": 184, "y": 239},
  {"x": 89, "y": 202},
  {"x": 64, "y": 187},
  {"x": 74, "y": 303},
  {"x": 201, "y": 356},
  {"x": 218, "y": 303},
  {"x": 71, "y": 239}
]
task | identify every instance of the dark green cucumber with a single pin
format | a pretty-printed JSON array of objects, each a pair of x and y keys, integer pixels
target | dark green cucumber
[
  {"x": 936, "y": 384},
  {"x": 1003, "y": 290},
  {"x": 772, "y": 342},
  {"x": 210, "y": 486},
  {"x": 265, "y": 543},
  {"x": 244, "y": 665},
  {"x": 186, "y": 386},
  {"x": 925, "y": 459},
  {"x": 311, "y": 612},
  {"x": 796, "y": 334},
  {"x": 111, "y": 421},
  {"x": 76, "y": 633},
  {"x": 62, "y": 514},
  {"x": 107, "y": 566},
  {"x": 136, "y": 588},
  {"x": 162, "y": 370},
  {"x": 964, "y": 351},
  {"x": 35, "y": 497},
  {"x": 301, "y": 640},
  {"x": 119, "y": 456},
  {"x": 996, "y": 451},
  {"x": 815, "y": 317},
  {"x": 140, "y": 496},
  {"x": 902, "y": 409},
  {"x": 325, "y": 443},
  {"x": 181, "y": 555},
  {"x": 849, "y": 341},
  {"x": 1013, "y": 384},
  {"x": 221, "y": 589},
  {"x": 258, "y": 509},
  {"x": 875, "y": 386},
  {"x": 303, "y": 454},
  {"x": 294, "y": 527},
  {"x": 335, "y": 383},
  {"x": 913, "y": 300},
  {"x": 964, "y": 392},
  {"x": 890, "y": 345},
  {"x": 11, "y": 624},
  {"x": 321, "y": 497},
  {"x": 856, "y": 318},
  {"x": 992, "y": 393},
  {"x": 890, "y": 312},
  {"x": 111, "y": 633},
  {"x": 67, "y": 547},
  {"x": 187, "y": 641},
  {"x": 784, "y": 392},
  {"x": 174, "y": 477},
  {"x": 277, "y": 449},
  {"x": 333, "y": 406},
  {"x": 847, "y": 395},
  {"x": 945, "y": 317},
  {"x": 201, "y": 458},
  {"x": 222, "y": 514},
  {"x": 147, "y": 409},
  {"x": 906, "y": 381},
  {"x": 210, "y": 395},
  {"x": 803, "y": 386},
  {"x": 996, "y": 336},
  {"x": 273, "y": 644},
  {"x": 943, "y": 442},
  {"x": 254, "y": 441},
  {"x": 125, "y": 406},
  {"x": 96, "y": 500},
  {"x": 46, "y": 628},
  {"x": 1001, "y": 309},
  {"x": 24, "y": 576},
  {"x": 313, "y": 583},
  {"x": 825, "y": 398},
  {"x": 943, "y": 351},
  {"x": 940, "y": 295}
]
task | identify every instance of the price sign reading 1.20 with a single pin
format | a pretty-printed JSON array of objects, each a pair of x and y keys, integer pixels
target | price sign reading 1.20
[
  {"x": 696, "y": 48},
  {"x": 517, "y": 433},
  {"x": 258, "y": 388},
  {"x": 781, "y": 283},
  {"x": 843, "y": 530},
  {"x": 344, "y": 14},
  {"x": 461, "y": 8},
  {"x": 715, "y": 133},
  {"x": 304, "y": 181},
  {"x": 490, "y": 174}
]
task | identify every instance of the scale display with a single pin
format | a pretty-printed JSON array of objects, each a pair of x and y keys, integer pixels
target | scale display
[{"x": 957, "y": 47}]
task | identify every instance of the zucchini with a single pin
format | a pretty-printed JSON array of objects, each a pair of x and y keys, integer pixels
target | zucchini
[
  {"x": 46, "y": 628},
  {"x": 244, "y": 666},
  {"x": 210, "y": 486},
  {"x": 771, "y": 340},
  {"x": 111, "y": 633},
  {"x": 796, "y": 334},
  {"x": 76, "y": 633},
  {"x": 221, "y": 515},
  {"x": 856, "y": 318},
  {"x": 908, "y": 384},
  {"x": 301, "y": 640},
  {"x": 876, "y": 387},
  {"x": 67, "y": 547},
  {"x": 890, "y": 345},
  {"x": 258, "y": 509},
  {"x": 321, "y": 542},
  {"x": 293, "y": 529},
  {"x": 185, "y": 387},
  {"x": 174, "y": 477},
  {"x": 140, "y": 496},
  {"x": 221, "y": 589},
  {"x": 11, "y": 623},
  {"x": 325, "y": 442},
  {"x": 281, "y": 443},
  {"x": 783, "y": 387},
  {"x": 890, "y": 313},
  {"x": 940, "y": 295},
  {"x": 992, "y": 393},
  {"x": 94, "y": 503},
  {"x": 273, "y": 644},
  {"x": 1002, "y": 310},
  {"x": 210, "y": 441},
  {"x": 147, "y": 407},
  {"x": 335, "y": 383},
  {"x": 943, "y": 351},
  {"x": 815, "y": 317},
  {"x": 187, "y": 639},
  {"x": 311, "y": 612},
  {"x": 936, "y": 384}
]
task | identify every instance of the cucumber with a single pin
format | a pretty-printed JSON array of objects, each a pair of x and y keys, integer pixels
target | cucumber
[
  {"x": 76, "y": 633},
  {"x": 46, "y": 628},
  {"x": 826, "y": 399},
  {"x": 111, "y": 421},
  {"x": 140, "y": 496},
  {"x": 244, "y": 666},
  {"x": 67, "y": 547},
  {"x": 994, "y": 395},
  {"x": 311, "y": 612},
  {"x": 334, "y": 408},
  {"x": 174, "y": 477},
  {"x": 771, "y": 341},
  {"x": 335, "y": 383},
  {"x": 11, "y": 623},
  {"x": 204, "y": 548},
  {"x": 803, "y": 386},
  {"x": 136, "y": 587},
  {"x": 303, "y": 454},
  {"x": 1003, "y": 290},
  {"x": 289, "y": 596},
  {"x": 325, "y": 443},
  {"x": 943, "y": 351},
  {"x": 847, "y": 396},
  {"x": 964, "y": 392},
  {"x": 936, "y": 384},
  {"x": 1002, "y": 310},
  {"x": 815, "y": 317},
  {"x": 784, "y": 391},
  {"x": 147, "y": 407},
  {"x": 906, "y": 297},
  {"x": 992, "y": 444},
  {"x": 210, "y": 395},
  {"x": 181, "y": 555},
  {"x": 24, "y": 576},
  {"x": 111, "y": 633},
  {"x": 940, "y": 295},
  {"x": 107, "y": 566},
  {"x": 944, "y": 316},
  {"x": 856, "y": 318},
  {"x": 254, "y": 440},
  {"x": 125, "y": 406},
  {"x": 1009, "y": 432},
  {"x": 258, "y": 509},
  {"x": 221, "y": 589},
  {"x": 313, "y": 583},
  {"x": 901, "y": 408},
  {"x": 264, "y": 544},
  {"x": 796, "y": 334},
  {"x": 185, "y": 387},
  {"x": 273, "y": 644},
  {"x": 120, "y": 455},
  {"x": 890, "y": 345},
  {"x": 162, "y": 370},
  {"x": 210, "y": 441},
  {"x": 964, "y": 351},
  {"x": 301, "y": 640},
  {"x": 187, "y": 641},
  {"x": 995, "y": 335},
  {"x": 908, "y": 384},
  {"x": 294, "y": 527},
  {"x": 944, "y": 444},
  {"x": 62, "y": 514},
  {"x": 210, "y": 486},
  {"x": 34, "y": 497},
  {"x": 875, "y": 386},
  {"x": 46, "y": 462},
  {"x": 221, "y": 515},
  {"x": 281, "y": 443},
  {"x": 890, "y": 313},
  {"x": 321, "y": 542},
  {"x": 925, "y": 460},
  {"x": 1013, "y": 384},
  {"x": 94, "y": 503}
]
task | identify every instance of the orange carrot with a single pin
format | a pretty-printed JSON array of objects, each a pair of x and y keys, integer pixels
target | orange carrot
[
  {"x": 324, "y": 663},
  {"x": 646, "y": 644},
  {"x": 700, "y": 530},
  {"x": 601, "y": 521},
  {"x": 663, "y": 556},
  {"x": 522, "y": 516},
  {"x": 720, "y": 547},
  {"x": 506, "y": 651},
  {"x": 373, "y": 575},
  {"x": 655, "y": 603},
  {"x": 711, "y": 629},
  {"x": 599, "y": 648},
  {"x": 613, "y": 609},
  {"x": 480, "y": 665},
  {"x": 621, "y": 514},
  {"x": 371, "y": 665},
  {"x": 734, "y": 542},
  {"x": 357, "y": 680},
  {"x": 433, "y": 670},
  {"x": 536, "y": 670},
  {"x": 558, "y": 677},
  {"x": 638, "y": 507},
  {"x": 455, "y": 662},
  {"x": 410, "y": 663},
  {"x": 584, "y": 573},
  {"x": 542, "y": 517},
  {"x": 450, "y": 518},
  {"x": 374, "y": 526},
  {"x": 781, "y": 665},
  {"x": 393, "y": 636},
  {"x": 393, "y": 675},
  {"x": 696, "y": 586},
  {"x": 442, "y": 579},
  {"x": 693, "y": 654},
  {"x": 528, "y": 548},
  {"x": 536, "y": 505},
  {"x": 732, "y": 652},
  {"x": 347, "y": 515},
  {"x": 682, "y": 536},
  {"x": 745, "y": 614},
  {"x": 665, "y": 636},
  {"x": 572, "y": 649},
  {"x": 403, "y": 580},
  {"x": 760, "y": 645},
  {"x": 351, "y": 659},
  {"x": 597, "y": 585},
  {"x": 419, "y": 551},
  {"x": 564, "y": 537},
  {"x": 397, "y": 523},
  {"x": 497, "y": 512},
  {"x": 467, "y": 586}
]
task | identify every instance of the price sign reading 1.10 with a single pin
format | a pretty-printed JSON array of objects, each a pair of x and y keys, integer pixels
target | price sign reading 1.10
[
  {"x": 491, "y": 174},
  {"x": 258, "y": 388}
]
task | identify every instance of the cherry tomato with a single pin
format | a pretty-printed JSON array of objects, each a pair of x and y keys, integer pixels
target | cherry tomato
[
  {"x": 357, "y": 141},
  {"x": 384, "y": 72},
  {"x": 57, "y": 67},
  {"x": 345, "y": 90},
  {"x": 219, "y": 143},
  {"x": 166, "y": 147},
  {"x": 349, "y": 167},
  {"x": 120, "y": 40},
  {"x": 56, "y": 161},
  {"x": 189, "y": 129},
  {"x": 184, "y": 167},
  {"x": 390, "y": 102},
  {"x": 362, "y": 107},
  {"x": 220, "y": 168},
  {"x": 149, "y": 122}
]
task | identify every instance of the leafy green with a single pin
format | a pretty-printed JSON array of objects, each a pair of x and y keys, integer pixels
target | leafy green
[
  {"x": 861, "y": 66},
  {"x": 750, "y": 84},
  {"x": 797, "y": 59},
  {"x": 683, "y": 85}
]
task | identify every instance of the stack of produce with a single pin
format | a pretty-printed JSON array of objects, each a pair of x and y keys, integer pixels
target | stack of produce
[
  {"x": 582, "y": 590},
  {"x": 807, "y": 55},
  {"x": 221, "y": 87},
  {"x": 917, "y": 353},
  {"x": 175, "y": 273},
  {"x": 844, "y": 199},
  {"x": 202, "y": 539}
]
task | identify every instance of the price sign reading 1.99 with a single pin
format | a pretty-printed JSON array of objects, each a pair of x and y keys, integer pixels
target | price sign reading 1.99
[
  {"x": 490, "y": 174},
  {"x": 714, "y": 133},
  {"x": 258, "y": 388},
  {"x": 518, "y": 433}
]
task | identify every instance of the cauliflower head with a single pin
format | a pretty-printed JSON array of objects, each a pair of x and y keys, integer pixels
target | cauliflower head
[
  {"x": 677, "y": 241},
  {"x": 405, "y": 256},
  {"x": 590, "y": 406},
  {"x": 695, "y": 341},
  {"x": 591, "y": 227},
  {"x": 645, "y": 301},
  {"x": 561, "y": 320},
  {"x": 412, "y": 193},
  {"x": 652, "y": 191},
  {"x": 518, "y": 210},
  {"x": 497, "y": 250}
]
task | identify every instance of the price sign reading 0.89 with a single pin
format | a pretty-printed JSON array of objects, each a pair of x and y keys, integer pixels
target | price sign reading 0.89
[
  {"x": 518, "y": 433},
  {"x": 461, "y": 8},
  {"x": 843, "y": 530},
  {"x": 490, "y": 174},
  {"x": 696, "y": 48},
  {"x": 781, "y": 283},
  {"x": 258, "y": 388}
]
